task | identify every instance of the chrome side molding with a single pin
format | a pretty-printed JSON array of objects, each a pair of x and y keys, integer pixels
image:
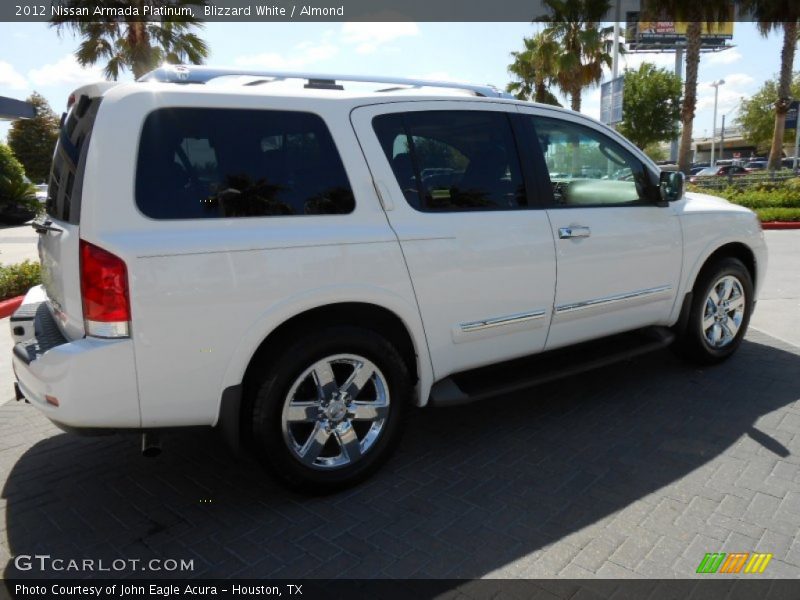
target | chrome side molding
[
  {"x": 505, "y": 320},
  {"x": 576, "y": 306}
]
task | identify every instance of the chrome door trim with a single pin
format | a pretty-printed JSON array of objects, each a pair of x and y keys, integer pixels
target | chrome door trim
[
  {"x": 505, "y": 320},
  {"x": 605, "y": 301}
]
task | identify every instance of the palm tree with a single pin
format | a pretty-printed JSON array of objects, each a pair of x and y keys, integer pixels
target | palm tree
[
  {"x": 535, "y": 70},
  {"x": 128, "y": 43},
  {"x": 776, "y": 15},
  {"x": 574, "y": 25},
  {"x": 694, "y": 13}
]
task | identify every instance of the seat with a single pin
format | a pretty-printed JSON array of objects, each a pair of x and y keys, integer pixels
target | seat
[{"x": 484, "y": 182}]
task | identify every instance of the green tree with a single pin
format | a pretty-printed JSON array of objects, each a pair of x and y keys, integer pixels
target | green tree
[
  {"x": 694, "y": 13},
  {"x": 574, "y": 26},
  {"x": 13, "y": 187},
  {"x": 33, "y": 140},
  {"x": 757, "y": 114},
  {"x": 140, "y": 46},
  {"x": 535, "y": 70},
  {"x": 655, "y": 152},
  {"x": 646, "y": 88},
  {"x": 779, "y": 15}
]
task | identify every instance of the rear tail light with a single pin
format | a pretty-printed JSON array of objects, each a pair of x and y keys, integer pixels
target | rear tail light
[{"x": 104, "y": 291}]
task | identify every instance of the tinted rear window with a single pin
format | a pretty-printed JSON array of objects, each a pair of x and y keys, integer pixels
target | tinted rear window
[
  {"x": 66, "y": 176},
  {"x": 453, "y": 161},
  {"x": 215, "y": 163}
]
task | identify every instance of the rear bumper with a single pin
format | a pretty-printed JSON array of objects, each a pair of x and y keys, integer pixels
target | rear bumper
[{"x": 84, "y": 383}]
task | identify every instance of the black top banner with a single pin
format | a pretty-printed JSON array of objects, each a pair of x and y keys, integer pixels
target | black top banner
[{"x": 313, "y": 10}]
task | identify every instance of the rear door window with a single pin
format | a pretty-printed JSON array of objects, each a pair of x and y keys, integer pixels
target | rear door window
[
  {"x": 452, "y": 161},
  {"x": 217, "y": 163}
]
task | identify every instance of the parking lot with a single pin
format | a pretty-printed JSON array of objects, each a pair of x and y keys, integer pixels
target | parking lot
[{"x": 635, "y": 470}]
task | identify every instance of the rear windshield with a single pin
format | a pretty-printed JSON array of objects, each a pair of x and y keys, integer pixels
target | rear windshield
[
  {"x": 215, "y": 163},
  {"x": 66, "y": 176}
]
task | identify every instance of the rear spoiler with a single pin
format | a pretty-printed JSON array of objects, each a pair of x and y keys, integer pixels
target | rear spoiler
[{"x": 91, "y": 90}]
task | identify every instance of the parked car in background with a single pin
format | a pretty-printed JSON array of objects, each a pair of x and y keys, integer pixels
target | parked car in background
[
  {"x": 756, "y": 165},
  {"x": 696, "y": 170},
  {"x": 723, "y": 171},
  {"x": 12, "y": 213},
  {"x": 41, "y": 192}
]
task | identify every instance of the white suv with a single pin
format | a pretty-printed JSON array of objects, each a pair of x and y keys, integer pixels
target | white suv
[{"x": 298, "y": 263}]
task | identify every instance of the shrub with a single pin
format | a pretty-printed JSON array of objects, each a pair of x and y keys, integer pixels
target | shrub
[
  {"x": 778, "y": 214},
  {"x": 17, "y": 279},
  {"x": 14, "y": 189},
  {"x": 772, "y": 200}
]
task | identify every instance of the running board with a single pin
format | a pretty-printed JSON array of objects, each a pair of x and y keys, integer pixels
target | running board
[{"x": 523, "y": 373}]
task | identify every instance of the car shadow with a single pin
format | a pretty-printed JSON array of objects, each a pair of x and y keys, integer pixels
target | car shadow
[{"x": 470, "y": 490}]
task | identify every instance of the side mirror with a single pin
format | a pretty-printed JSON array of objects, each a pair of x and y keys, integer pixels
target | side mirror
[{"x": 671, "y": 185}]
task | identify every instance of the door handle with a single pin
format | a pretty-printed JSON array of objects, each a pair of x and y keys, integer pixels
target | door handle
[{"x": 577, "y": 231}]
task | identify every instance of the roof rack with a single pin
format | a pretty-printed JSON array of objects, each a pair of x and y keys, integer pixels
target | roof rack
[{"x": 193, "y": 74}]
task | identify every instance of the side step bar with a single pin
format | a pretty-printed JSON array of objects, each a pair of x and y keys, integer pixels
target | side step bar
[{"x": 523, "y": 373}]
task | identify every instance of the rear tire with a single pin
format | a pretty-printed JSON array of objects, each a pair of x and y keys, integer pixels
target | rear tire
[
  {"x": 722, "y": 302},
  {"x": 330, "y": 411}
]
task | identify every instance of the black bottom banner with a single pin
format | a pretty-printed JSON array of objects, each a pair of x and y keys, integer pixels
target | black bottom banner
[{"x": 413, "y": 589}]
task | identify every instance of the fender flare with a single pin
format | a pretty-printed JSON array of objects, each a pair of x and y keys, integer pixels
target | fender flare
[
  {"x": 687, "y": 285},
  {"x": 277, "y": 314}
]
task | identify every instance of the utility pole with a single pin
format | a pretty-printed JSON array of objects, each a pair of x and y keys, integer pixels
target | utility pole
[
  {"x": 615, "y": 55},
  {"x": 796, "y": 142},
  {"x": 615, "y": 58},
  {"x": 715, "y": 85},
  {"x": 722, "y": 139},
  {"x": 673, "y": 150}
]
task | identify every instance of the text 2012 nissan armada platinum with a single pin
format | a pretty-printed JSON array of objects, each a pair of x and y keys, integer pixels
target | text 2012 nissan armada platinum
[{"x": 298, "y": 261}]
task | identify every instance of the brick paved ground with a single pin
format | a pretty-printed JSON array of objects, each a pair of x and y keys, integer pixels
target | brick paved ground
[{"x": 637, "y": 470}]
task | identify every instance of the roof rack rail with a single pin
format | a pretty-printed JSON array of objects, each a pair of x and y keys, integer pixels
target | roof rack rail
[{"x": 194, "y": 74}]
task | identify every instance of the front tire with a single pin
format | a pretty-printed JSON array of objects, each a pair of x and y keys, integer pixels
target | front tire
[
  {"x": 330, "y": 411},
  {"x": 722, "y": 302}
]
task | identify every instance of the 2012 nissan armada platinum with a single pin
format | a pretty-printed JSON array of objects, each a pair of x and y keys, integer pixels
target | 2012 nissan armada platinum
[{"x": 298, "y": 259}]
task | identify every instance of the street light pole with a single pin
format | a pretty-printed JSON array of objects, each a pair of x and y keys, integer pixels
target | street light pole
[
  {"x": 715, "y": 85},
  {"x": 615, "y": 48},
  {"x": 673, "y": 151}
]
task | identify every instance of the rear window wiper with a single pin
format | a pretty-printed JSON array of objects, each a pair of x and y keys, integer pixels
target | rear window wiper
[{"x": 45, "y": 226}]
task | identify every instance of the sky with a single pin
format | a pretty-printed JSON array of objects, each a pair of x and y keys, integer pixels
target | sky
[{"x": 34, "y": 57}]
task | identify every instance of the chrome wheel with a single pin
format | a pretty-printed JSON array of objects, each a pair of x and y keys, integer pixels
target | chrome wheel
[
  {"x": 724, "y": 311},
  {"x": 335, "y": 411}
]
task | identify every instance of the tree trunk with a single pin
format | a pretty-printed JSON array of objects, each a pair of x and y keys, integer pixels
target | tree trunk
[
  {"x": 575, "y": 104},
  {"x": 689, "y": 96},
  {"x": 541, "y": 89},
  {"x": 137, "y": 38},
  {"x": 784, "y": 94},
  {"x": 575, "y": 100}
]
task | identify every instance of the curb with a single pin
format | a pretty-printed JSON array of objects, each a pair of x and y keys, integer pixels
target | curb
[
  {"x": 7, "y": 307},
  {"x": 780, "y": 225}
]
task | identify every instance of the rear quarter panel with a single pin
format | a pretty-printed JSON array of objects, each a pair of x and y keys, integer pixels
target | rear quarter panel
[{"x": 206, "y": 292}]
